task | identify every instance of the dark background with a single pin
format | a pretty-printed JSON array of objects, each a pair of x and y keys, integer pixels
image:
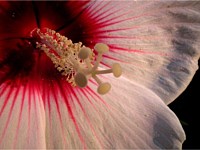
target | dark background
[{"x": 187, "y": 108}]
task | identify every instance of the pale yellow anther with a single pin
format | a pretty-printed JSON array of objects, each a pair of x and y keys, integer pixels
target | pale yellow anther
[
  {"x": 61, "y": 44},
  {"x": 104, "y": 88},
  {"x": 54, "y": 42},
  {"x": 37, "y": 45},
  {"x": 84, "y": 53},
  {"x": 80, "y": 80},
  {"x": 38, "y": 31},
  {"x": 101, "y": 48},
  {"x": 43, "y": 45},
  {"x": 117, "y": 70},
  {"x": 57, "y": 34}
]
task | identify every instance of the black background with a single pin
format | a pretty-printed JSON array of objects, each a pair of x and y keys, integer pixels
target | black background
[{"x": 187, "y": 108}]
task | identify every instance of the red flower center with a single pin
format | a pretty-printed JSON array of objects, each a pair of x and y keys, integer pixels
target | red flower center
[{"x": 19, "y": 58}]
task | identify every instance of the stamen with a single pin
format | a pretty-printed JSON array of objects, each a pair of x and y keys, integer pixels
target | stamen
[
  {"x": 74, "y": 60},
  {"x": 100, "y": 48},
  {"x": 116, "y": 70},
  {"x": 84, "y": 53},
  {"x": 104, "y": 88},
  {"x": 81, "y": 79}
]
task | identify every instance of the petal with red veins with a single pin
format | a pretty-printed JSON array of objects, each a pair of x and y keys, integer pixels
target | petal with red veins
[
  {"x": 124, "y": 118},
  {"x": 22, "y": 117},
  {"x": 157, "y": 43}
]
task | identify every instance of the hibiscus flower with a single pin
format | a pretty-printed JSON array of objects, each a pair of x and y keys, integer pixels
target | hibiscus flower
[{"x": 47, "y": 102}]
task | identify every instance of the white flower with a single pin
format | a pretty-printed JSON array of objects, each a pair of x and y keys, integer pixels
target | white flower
[{"x": 156, "y": 44}]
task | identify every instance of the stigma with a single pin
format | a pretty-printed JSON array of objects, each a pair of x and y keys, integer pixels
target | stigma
[{"x": 75, "y": 61}]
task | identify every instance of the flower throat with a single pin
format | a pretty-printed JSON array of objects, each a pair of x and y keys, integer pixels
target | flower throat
[{"x": 74, "y": 60}]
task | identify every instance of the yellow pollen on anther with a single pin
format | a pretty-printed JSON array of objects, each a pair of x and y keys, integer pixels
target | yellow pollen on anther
[{"x": 76, "y": 61}]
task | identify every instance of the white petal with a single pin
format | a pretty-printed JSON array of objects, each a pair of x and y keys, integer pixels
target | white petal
[
  {"x": 158, "y": 40},
  {"x": 22, "y": 120},
  {"x": 130, "y": 116}
]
